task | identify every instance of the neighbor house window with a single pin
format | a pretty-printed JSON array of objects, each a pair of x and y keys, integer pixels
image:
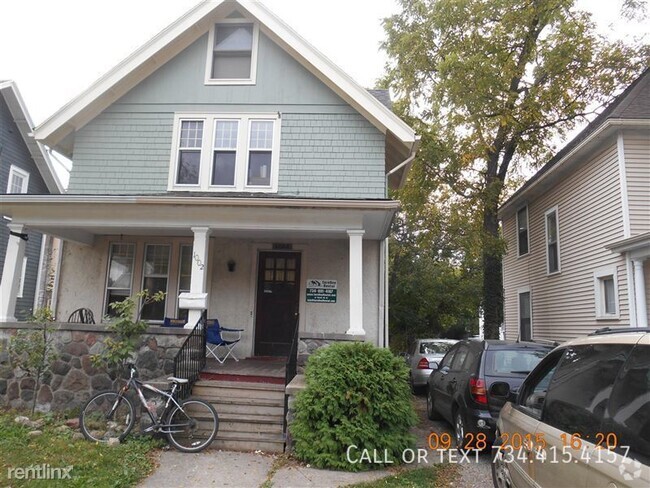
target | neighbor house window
[
  {"x": 18, "y": 181},
  {"x": 522, "y": 231},
  {"x": 525, "y": 316},
  {"x": 21, "y": 284},
  {"x": 232, "y": 53},
  {"x": 606, "y": 291},
  {"x": 184, "y": 276},
  {"x": 120, "y": 274},
  {"x": 242, "y": 152},
  {"x": 552, "y": 242},
  {"x": 155, "y": 276}
]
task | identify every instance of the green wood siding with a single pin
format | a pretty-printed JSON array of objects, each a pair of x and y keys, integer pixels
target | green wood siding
[{"x": 327, "y": 149}]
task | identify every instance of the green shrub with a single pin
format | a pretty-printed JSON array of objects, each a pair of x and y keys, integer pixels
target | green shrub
[{"x": 356, "y": 394}]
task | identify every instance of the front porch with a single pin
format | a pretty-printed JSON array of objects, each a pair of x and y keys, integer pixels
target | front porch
[{"x": 229, "y": 256}]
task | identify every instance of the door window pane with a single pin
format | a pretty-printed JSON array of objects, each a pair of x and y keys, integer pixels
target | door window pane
[
  {"x": 578, "y": 394},
  {"x": 120, "y": 273},
  {"x": 156, "y": 270}
]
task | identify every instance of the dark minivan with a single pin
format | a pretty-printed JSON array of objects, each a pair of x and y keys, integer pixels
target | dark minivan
[{"x": 459, "y": 389}]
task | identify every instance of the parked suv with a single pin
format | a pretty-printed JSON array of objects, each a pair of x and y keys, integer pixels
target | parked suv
[
  {"x": 583, "y": 415},
  {"x": 459, "y": 389},
  {"x": 423, "y": 353}
]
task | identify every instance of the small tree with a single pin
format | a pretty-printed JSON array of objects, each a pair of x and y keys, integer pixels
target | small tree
[
  {"x": 33, "y": 350},
  {"x": 120, "y": 348}
]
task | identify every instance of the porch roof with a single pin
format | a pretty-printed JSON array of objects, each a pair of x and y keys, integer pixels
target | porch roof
[{"x": 81, "y": 218}]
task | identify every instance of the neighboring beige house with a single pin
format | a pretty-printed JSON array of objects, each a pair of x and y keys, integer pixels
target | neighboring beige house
[{"x": 578, "y": 232}]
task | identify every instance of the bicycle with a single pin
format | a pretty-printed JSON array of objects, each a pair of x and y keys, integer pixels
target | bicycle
[{"x": 190, "y": 425}]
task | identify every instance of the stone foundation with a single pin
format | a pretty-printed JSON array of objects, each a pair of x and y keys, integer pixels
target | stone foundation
[
  {"x": 72, "y": 378},
  {"x": 310, "y": 342}
]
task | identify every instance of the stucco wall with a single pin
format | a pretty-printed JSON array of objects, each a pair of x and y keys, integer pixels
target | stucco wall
[{"x": 232, "y": 294}]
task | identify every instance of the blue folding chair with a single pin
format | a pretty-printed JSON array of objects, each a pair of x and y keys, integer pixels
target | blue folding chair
[{"x": 214, "y": 341}]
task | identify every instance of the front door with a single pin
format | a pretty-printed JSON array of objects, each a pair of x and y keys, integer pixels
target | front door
[{"x": 278, "y": 294}]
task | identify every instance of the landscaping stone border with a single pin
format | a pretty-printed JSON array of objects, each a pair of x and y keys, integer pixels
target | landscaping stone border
[{"x": 72, "y": 378}]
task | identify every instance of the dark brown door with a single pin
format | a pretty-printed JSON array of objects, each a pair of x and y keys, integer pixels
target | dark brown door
[{"x": 278, "y": 294}]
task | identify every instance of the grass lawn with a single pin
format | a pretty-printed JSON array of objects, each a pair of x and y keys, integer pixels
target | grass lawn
[
  {"x": 93, "y": 464},
  {"x": 436, "y": 476}
]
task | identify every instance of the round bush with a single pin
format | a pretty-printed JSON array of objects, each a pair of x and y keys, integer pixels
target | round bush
[{"x": 356, "y": 394}]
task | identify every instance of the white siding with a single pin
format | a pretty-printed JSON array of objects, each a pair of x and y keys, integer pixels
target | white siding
[
  {"x": 637, "y": 168},
  {"x": 590, "y": 216}
]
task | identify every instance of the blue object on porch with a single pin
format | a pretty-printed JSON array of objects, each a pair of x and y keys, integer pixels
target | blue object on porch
[
  {"x": 169, "y": 322},
  {"x": 214, "y": 341}
]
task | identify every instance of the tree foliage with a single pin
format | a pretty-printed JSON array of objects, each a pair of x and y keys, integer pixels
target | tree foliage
[{"x": 495, "y": 83}]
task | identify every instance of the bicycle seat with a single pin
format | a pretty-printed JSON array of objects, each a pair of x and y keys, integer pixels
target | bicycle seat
[{"x": 180, "y": 381}]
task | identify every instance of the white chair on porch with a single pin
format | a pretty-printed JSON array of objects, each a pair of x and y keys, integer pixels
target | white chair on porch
[{"x": 215, "y": 341}]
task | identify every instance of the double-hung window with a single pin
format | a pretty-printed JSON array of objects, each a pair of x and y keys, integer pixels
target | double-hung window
[
  {"x": 522, "y": 231},
  {"x": 225, "y": 152},
  {"x": 525, "y": 315},
  {"x": 155, "y": 276},
  {"x": 232, "y": 53},
  {"x": 120, "y": 274},
  {"x": 18, "y": 181},
  {"x": 552, "y": 242},
  {"x": 606, "y": 291}
]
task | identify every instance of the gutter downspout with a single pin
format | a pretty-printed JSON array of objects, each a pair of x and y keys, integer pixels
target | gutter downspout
[{"x": 407, "y": 162}]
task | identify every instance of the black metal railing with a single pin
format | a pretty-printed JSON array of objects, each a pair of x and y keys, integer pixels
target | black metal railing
[
  {"x": 190, "y": 359},
  {"x": 292, "y": 361}
]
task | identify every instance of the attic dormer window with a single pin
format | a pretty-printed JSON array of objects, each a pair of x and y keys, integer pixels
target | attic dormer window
[{"x": 232, "y": 53}]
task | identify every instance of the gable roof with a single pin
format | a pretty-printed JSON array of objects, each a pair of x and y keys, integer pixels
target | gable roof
[
  {"x": 630, "y": 108},
  {"x": 13, "y": 99},
  {"x": 58, "y": 130}
]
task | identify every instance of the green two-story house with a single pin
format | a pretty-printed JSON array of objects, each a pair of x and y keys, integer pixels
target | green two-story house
[{"x": 229, "y": 164}]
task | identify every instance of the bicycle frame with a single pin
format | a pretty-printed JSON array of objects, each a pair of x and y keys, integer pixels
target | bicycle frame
[{"x": 156, "y": 426}]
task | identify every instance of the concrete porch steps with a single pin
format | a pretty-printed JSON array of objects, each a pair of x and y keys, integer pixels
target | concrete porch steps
[{"x": 251, "y": 415}]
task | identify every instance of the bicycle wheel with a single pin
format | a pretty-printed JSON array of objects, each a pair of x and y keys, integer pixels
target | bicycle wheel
[
  {"x": 107, "y": 416},
  {"x": 193, "y": 426}
]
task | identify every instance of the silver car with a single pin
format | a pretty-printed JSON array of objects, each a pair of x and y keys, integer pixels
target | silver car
[{"x": 421, "y": 358}]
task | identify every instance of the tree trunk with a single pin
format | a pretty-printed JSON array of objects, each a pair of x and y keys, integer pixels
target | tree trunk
[{"x": 492, "y": 271}]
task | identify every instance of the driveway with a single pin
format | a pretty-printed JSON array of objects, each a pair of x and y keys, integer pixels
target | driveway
[{"x": 473, "y": 471}]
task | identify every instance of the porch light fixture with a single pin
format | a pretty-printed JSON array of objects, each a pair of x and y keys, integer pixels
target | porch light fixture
[{"x": 231, "y": 265}]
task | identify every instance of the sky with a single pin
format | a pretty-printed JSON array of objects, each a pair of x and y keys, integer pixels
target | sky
[{"x": 55, "y": 49}]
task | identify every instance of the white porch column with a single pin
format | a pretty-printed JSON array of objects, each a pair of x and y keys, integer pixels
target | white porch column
[
  {"x": 199, "y": 279},
  {"x": 11, "y": 273},
  {"x": 356, "y": 282},
  {"x": 639, "y": 294}
]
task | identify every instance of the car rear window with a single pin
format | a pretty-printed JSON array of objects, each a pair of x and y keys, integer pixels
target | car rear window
[
  {"x": 434, "y": 347},
  {"x": 512, "y": 361}
]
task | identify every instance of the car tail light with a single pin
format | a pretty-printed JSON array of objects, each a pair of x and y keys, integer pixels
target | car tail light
[
  {"x": 478, "y": 391},
  {"x": 423, "y": 364}
]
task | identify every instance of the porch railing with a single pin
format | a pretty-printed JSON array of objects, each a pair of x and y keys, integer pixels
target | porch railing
[
  {"x": 291, "y": 367},
  {"x": 190, "y": 359}
]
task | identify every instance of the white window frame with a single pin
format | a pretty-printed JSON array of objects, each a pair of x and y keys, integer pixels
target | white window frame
[
  {"x": 557, "y": 233},
  {"x": 527, "y": 230},
  {"x": 600, "y": 275},
  {"x": 521, "y": 291},
  {"x": 21, "y": 285},
  {"x": 208, "y": 63},
  {"x": 21, "y": 173},
  {"x": 242, "y": 151}
]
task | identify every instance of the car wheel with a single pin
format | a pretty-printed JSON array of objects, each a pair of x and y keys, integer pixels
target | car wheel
[
  {"x": 432, "y": 413},
  {"x": 500, "y": 470},
  {"x": 459, "y": 430}
]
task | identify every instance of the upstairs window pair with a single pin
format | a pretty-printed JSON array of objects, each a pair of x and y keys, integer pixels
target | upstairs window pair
[
  {"x": 552, "y": 238},
  {"x": 221, "y": 153}
]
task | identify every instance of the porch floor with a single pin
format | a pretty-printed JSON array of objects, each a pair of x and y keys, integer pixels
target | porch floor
[{"x": 253, "y": 370}]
